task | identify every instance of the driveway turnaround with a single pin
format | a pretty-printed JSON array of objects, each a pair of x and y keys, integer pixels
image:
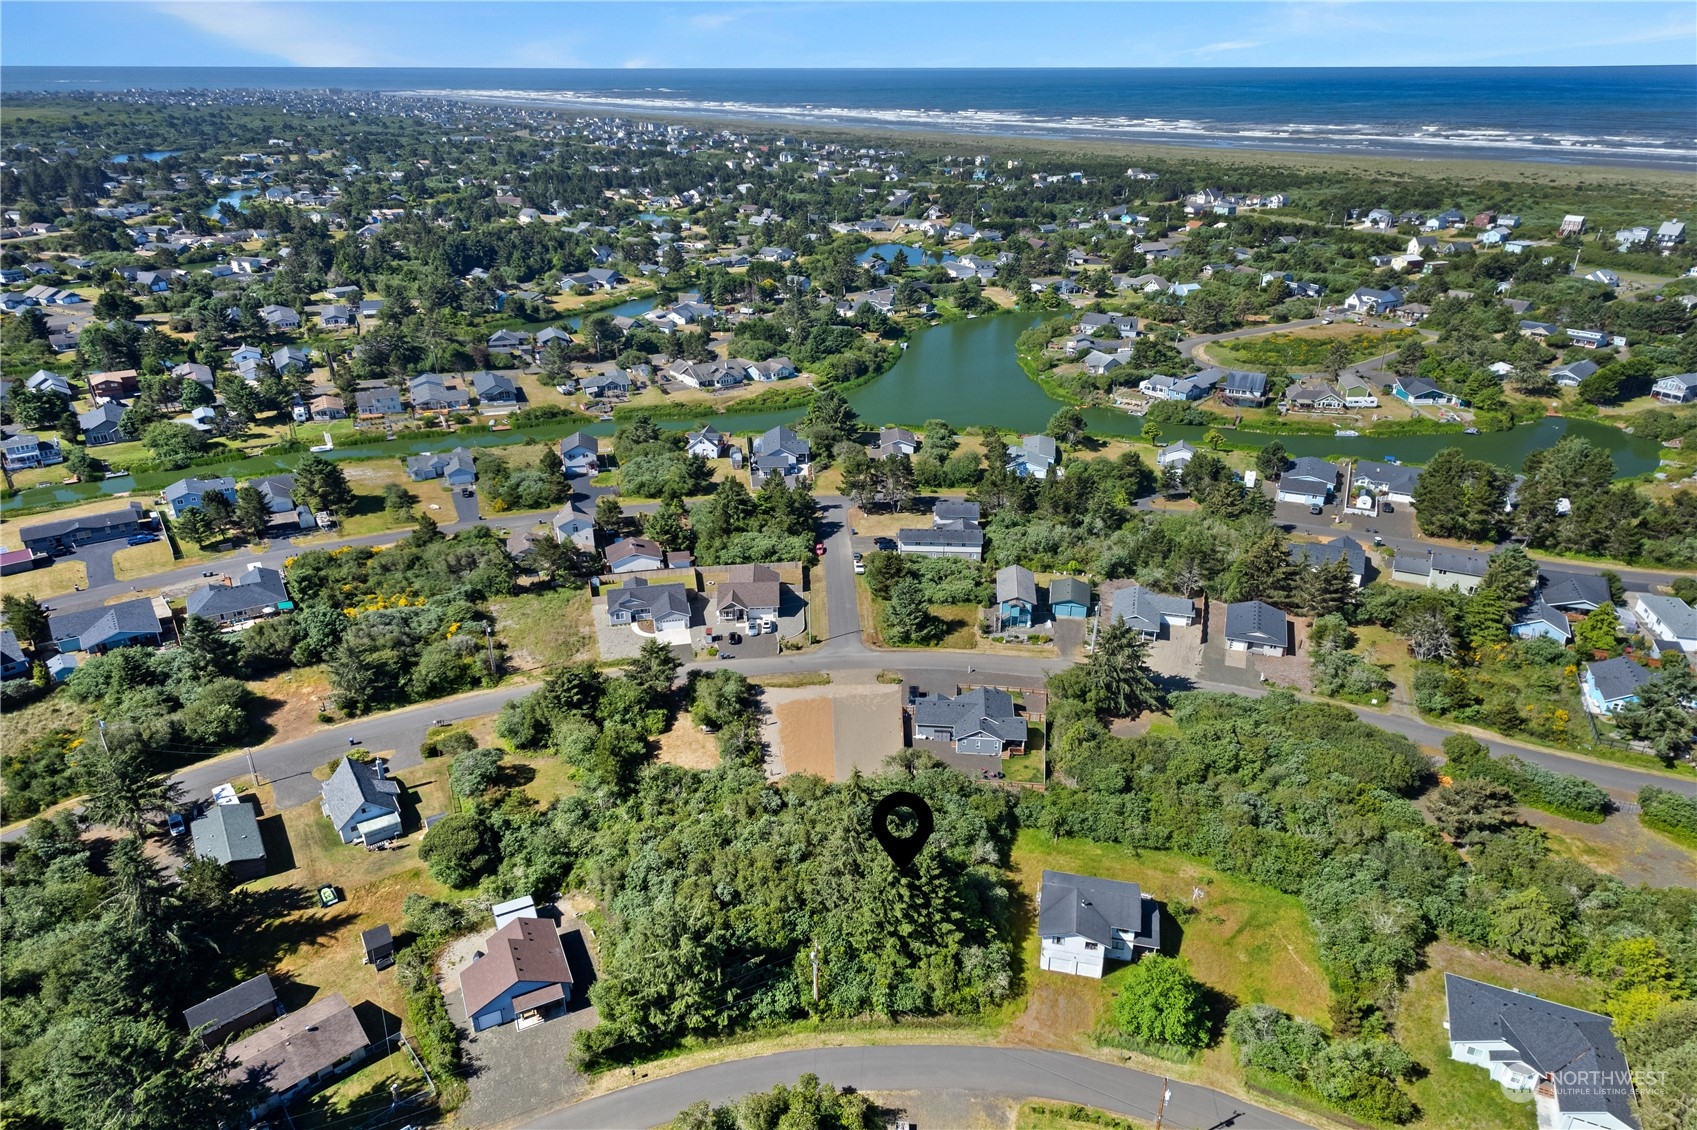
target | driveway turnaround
[{"x": 1010, "y": 1072}]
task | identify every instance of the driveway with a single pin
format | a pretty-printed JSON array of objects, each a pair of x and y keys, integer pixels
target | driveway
[
  {"x": 465, "y": 509},
  {"x": 1016, "y": 1073},
  {"x": 97, "y": 559}
]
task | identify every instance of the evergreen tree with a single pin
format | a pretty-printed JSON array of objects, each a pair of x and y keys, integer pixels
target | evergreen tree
[
  {"x": 26, "y": 617},
  {"x": 1118, "y": 675},
  {"x": 193, "y": 525},
  {"x": 1328, "y": 589},
  {"x": 828, "y": 421},
  {"x": 666, "y": 525},
  {"x": 1265, "y": 571},
  {"x": 654, "y": 669},
  {"x": 322, "y": 485},
  {"x": 253, "y": 515},
  {"x": 907, "y": 616}
]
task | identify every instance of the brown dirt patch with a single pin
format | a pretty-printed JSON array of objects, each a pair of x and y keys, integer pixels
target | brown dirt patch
[
  {"x": 806, "y": 737},
  {"x": 684, "y": 744},
  {"x": 295, "y": 698},
  {"x": 1061, "y": 1011}
]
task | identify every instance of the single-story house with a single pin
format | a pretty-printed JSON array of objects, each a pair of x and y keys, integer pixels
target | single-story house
[
  {"x": 605, "y": 385},
  {"x": 1147, "y": 612},
  {"x": 362, "y": 802},
  {"x": 942, "y": 542},
  {"x": 378, "y": 402},
  {"x": 636, "y": 555},
  {"x": 325, "y": 408},
  {"x": 1393, "y": 482},
  {"x": 457, "y": 467},
  {"x": 1309, "y": 481},
  {"x": 1252, "y": 625},
  {"x": 109, "y": 626},
  {"x": 1083, "y": 922},
  {"x": 1016, "y": 596},
  {"x": 982, "y": 720},
  {"x": 1440, "y": 569},
  {"x": 252, "y": 1002},
  {"x": 493, "y": 388},
  {"x": 1313, "y": 395},
  {"x": 229, "y": 833},
  {"x": 1610, "y": 684},
  {"x": 431, "y": 392},
  {"x": 1569, "y": 376},
  {"x": 1315, "y": 554},
  {"x": 14, "y": 664},
  {"x": 894, "y": 441},
  {"x": 954, "y": 513},
  {"x": 750, "y": 594},
  {"x": 192, "y": 493},
  {"x": 256, "y": 593},
  {"x": 1574, "y": 592},
  {"x": 664, "y": 607},
  {"x": 1034, "y": 456},
  {"x": 581, "y": 453},
  {"x": 1566, "y": 1057},
  {"x": 1419, "y": 390},
  {"x": 1069, "y": 598},
  {"x": 1366, "y": 300},
  {"x": 1667, "y": 620},
  {"x": 1539, "y": 619},
  {"x": 521, "y": 971},
  {"x": 1243, "y": 387},
  {"x": 300, "y": 1052}
]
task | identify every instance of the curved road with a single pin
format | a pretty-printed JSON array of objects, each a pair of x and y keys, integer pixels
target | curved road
[{"x": 1012, "y": 1072}]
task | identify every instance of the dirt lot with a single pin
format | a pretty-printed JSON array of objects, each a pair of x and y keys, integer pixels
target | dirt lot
[
  {"x": 831, "y": 730},
  {"x": 684, "y": 744},
  {"x": 806, "y": 738}
]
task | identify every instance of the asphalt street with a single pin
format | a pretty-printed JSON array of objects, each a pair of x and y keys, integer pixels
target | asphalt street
[{"x": 1013, "y": 1072}]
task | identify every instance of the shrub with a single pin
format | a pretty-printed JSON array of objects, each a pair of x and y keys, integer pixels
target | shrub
[
  {"x": 450, "y": 743},
  {"x": 1161, "y": 1003},
  {"x": 457, "y": 849},
  {"x": 1532, "y": 785},
  {"x": 1672, "y": 814}
]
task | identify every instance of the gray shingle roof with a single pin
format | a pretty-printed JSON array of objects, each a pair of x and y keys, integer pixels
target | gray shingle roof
[
  {"x": 782, "y": 439},
  {"x": 1015, "y": 582},
  {"x": 1069, "y": 590},
  {"x": 1255, "y": 622},
  {"x": 1571, "y": 1045},
  {"x": 1617, "y": 678},
  {"x": 1459, "y": 561},
  {"x": 355, "y": 783},
  {"x": 971, "y": 537},
  {"x": 228, "y": 833},
  {"x": 231, "y": 1004},
  {"x": 93, "y": 626},
  {"x": 955, "y": 510},
  {"x": 1143, "y": 608},
  {"x": 1094, "y": 908},
  {"x": 1565, "y": 590},
  {"x": 661, "y": 601},
  {"x": 61, "y": 527},
  {"x": 979, "y": 711},
  {"x": 253, "y": 589},
  {"x": 1679, "y": 616},
  {"x": 1326, "y": 552},
  {"x": 581, "y": 440},
  {"x": 1399, "y": 478}
]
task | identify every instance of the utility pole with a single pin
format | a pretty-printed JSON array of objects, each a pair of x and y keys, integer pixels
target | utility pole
[
  {"x": 1161, "y": 1111},
  {"x": 489, "y": 637},
  {"x": 252, "y": 772},
  {"x": 813, "y": 955}
]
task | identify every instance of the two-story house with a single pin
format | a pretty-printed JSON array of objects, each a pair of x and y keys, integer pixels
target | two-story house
[{"x": 1084, "y": 922}]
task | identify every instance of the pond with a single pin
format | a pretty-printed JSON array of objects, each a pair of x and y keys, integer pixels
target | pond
[
  {"x": 152, "y": 155},
  {"x": 233, "y": 199},
  {"x": 887, "y": 252},
  {"x": 634, "y": 308}
]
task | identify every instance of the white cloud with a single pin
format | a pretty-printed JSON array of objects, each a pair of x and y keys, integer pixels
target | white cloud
[
  {"x": 306, "y": 35},
  {"x": 1228, "y": 45}
]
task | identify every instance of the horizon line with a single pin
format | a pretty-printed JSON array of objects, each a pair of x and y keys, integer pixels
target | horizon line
[{"x": 745, "y": 69}]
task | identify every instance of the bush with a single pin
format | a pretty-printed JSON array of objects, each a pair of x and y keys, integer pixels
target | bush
[
  {"x": 1161, "y": 1003},
  {"x": 457, "y": 849},
  {"x": 450, "y": 743},
  {"x": 1361, "y": 1077},
  {"x": 475, "y": 772},
  {"x": 1532, "y": 785},
  {"x": 1672, "y": 814}
]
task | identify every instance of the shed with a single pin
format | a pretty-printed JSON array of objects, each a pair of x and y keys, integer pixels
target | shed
[
  {"x": 379, "y": 945},
  {"x": 235, "y": 1010}
]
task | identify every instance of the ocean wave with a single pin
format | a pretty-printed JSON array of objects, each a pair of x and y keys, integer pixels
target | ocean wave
[{"x": 1352, "y": 135}]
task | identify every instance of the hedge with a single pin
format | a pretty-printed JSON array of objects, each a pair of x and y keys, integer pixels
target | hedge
[
  {"x": 1561, "y": 794},
  {"x": 1672, "y": 814}
]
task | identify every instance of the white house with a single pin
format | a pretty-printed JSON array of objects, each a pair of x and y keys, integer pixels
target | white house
[
  {"x": 1309, "y": 481},
  {"x": 1667, "y": 620},
  {"x": 580, "y": 452},
  {"x": 362, "y": 802},
  {"x": 1566, "y": 1057},
  {"x": 1084, "y": 922},
  {"x": 1258, "y": 627}
]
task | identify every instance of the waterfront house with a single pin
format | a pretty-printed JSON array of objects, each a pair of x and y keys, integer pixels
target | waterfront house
[
  {"x": 185, "y": 494},
  {"x": 781, "y": 452},
  {"x": 1084, "y": 922},
  {"x": 1569, "y": 376},
  {"x": 493, "y": 388},
  {"x": 1313, "y": 394},
  {"x": 457, "y": 467},
  {"x": 1392, "y": 482},
  {"x": 1035, "y": 456},
  {"x": 1681, "y": 388},
  {"x": 1419, "y": 390},
  {"x": 708, "y": 443},
  {"x": 581, "y": 454},
  {"x": 102, "y": 425},
  {"x": 378, "y": 402},
  {"x": 24, "y": 451},
  {"x": 1610, "y": 684},
  {"x": 1243, "y": 388},
  {"x": 432, "y": 392}
]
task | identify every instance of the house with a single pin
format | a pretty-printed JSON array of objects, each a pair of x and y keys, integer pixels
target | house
[
  {"x": 300, "y": 1052},
  {"x": 954, "y": 514},
  {"x": 894, "y": 441},
  {"x": 257, "y": 593},
  {"x": 185, "y": 494},
  {"x": 1605, "y": 276},
  {"x": 457, "y": 467},
  {"x": 708, "y": 443},
  {"x": 44, "y": 381},
  {"x": 1357, "y": 393},
  {"x": 943, "y": 541},
  {"x": 229, "y": 833},
  {"x": 750, "y": 594},
  {"x": 232, "y": 1011},
  {"x": 1591, "y": 339},
  {"x": 379, "y": 946},
  {"x": 581, "y": 454},
  {"x": 1016, "y": 596},
  {"x": 1243, "y": 388},
  {"x": 1146, "y": 611},
  {"x": 1366, "y": 300},
  {"x": 1313, "y": 394},
  {"x": 63, "y": 534},
  {"x": 1394, "y": 482},
  {"x": 430, "y": 392},
  {"x": 278, "y": 491},
  {"x": 493, "y": 388},
  {"x": 1569, "y": 376},
  {"x": 1566, "y": 1057},
  {"x": 603, "y": 385},
  {"x": 664, "y": 607},
  {"x": 1610, "y": 684},
  {"x": 576, "y": 525},
  {"x": 280, "y": 317},
  {"x": 24, "y": 451},
  {"x": 1176, "y": 455},
  {"x": 291, "y": 360},
  {"x": 102, "y": 425},
  {"x": 1034, "y": 456},
  {"x": 14, "y": 664},
  {"x": 362, "y": 802},
  {"x": 1313, "y": 555},
  {"x": 1670, "y": 234},
  {"x": 323, "y": 409},
  {"x": 1574, "y": 592},
  {"x": 1667, "y": 620},
  {"x": 1069, "y": 598},
  {"x": 1539, "y": 619},
  {"x": 1571, "y": 225},
  {"x": 1680, "y": 388},
  {"x": 780, "y": 452},
  {"x": 1254, "y": 626},
  {"x": 378, "y": 402},
  {"x": 103, "y": 628},
  {"x": 1440, "y": 569},
  {"x": 1083, "y": 922},
  {"x": 982, "y": 720},
  {"x": 115, "y": 384},
  {"x": 336, "y": 315},
  {"x": 1309, "y": 481},
  {"x": 1419, "y": 390},
  {"x": 508, "y": 341},
  {"x": 522, "y": 970},
  {"x": 635, "y": 555}
]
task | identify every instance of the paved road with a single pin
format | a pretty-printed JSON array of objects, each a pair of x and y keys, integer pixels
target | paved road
[{"x": 1012, "y": 1072}]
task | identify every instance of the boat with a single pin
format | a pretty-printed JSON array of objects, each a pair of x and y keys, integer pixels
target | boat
[
  {"x": 1345, "y": 433},
  {"x": 1392, "y": 459},
  {"x": 1470, "y": 431}
]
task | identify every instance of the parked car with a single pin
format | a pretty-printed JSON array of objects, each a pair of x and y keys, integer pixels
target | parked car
[
  {"x": 210, "y": 573},
  {"x": 177, "y": 825},
  {"x": 1316, "y": 508},
  {"x": 143, "y": 539},
  {"x": 735, "y": 637}
]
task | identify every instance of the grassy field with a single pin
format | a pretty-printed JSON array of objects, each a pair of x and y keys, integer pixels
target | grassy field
[
  {"x": 1458, "y": 1096},
  {"x": 63, "y": 575},
  {"x": 1064, "y": 1116},
  {"x": 143, "y": 560},
  {"x": 55, "y": 712},
  {"x": 546, "y": 627}
]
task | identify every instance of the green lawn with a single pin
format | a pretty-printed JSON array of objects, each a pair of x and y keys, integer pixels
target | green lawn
[{"x": 547, "y": 627}]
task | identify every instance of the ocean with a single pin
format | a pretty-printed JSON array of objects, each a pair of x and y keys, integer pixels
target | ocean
[{"x": 1644, "y": 116}]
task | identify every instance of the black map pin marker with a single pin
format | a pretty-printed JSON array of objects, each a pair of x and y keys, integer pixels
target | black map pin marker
[{"x": 902, "y": 849}]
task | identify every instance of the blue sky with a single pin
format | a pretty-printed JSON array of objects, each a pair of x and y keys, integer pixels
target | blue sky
[{"x": 843, "y": 33}]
